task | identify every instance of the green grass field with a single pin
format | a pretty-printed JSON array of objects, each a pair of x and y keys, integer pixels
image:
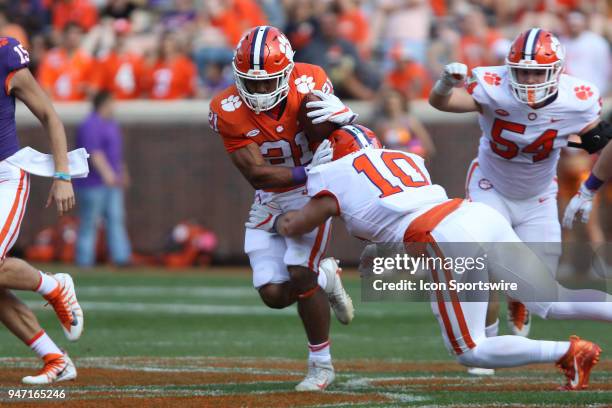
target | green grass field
[{"x": 207, "y": 335}]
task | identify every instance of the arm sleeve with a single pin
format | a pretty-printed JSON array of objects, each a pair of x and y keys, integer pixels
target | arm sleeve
[
  {"x": 317, "y": 187},
  {"x": 592, "y": 111},
  {"x": 232, "y": 139},
  {"x": 475, "y": 88},
  {"x": 15, "y": 55},
  {"x": 321, "y": 80}
]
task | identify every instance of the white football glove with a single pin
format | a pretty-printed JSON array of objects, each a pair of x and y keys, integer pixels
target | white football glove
[
  {"x": 330, "y": 109},
  {"x": 454, "y": 74},
  {"x": 323, "y": 154},
  {"x": 264, "y": 216},
  {"x": 582, "y": 202}
]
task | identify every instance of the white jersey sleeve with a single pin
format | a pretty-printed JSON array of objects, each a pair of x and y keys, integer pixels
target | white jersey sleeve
[
  {"x": 316, "y": 185},
  {"x": 583, "y": 101},
  {"x": 520, "y": 145},
  {"x": 477, "y": 88}
]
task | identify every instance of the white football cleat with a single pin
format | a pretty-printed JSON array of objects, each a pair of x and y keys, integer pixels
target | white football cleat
[
  {"x": 339, "y": 300},
  {"x": 64, "y": 302},
  {"x": 57, "y": 368},
  {"x": 519, "y": 318},
  {"x": 479, "y": 371},
  {"x": 319, "y": 376}
]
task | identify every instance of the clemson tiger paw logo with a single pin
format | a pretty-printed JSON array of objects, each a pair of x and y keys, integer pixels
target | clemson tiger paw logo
[
  {"x": 304, "y": 84},
  {"x": 231, "y": 103},
  {"x": 583, "y": 92},
  {"x": 285, "y": 47},
  {"x": 492, "y": 78}
]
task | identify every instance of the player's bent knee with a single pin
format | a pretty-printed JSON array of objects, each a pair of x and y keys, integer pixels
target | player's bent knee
[
  {"x": 302, "y": 279},
  {"x": 471, "y": 358},
  {"x": 274, "y": 296}
]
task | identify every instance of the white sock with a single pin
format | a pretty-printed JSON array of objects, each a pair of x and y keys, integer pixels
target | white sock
[
  {"x": 47, "y": 284},
  {"x": 553, "y": 350},
  {"x": 584, "y": 304},
  {"x": 322, "y": 279},
  {"x": 319, "y": 352},
  {"x": 512, "y": 351},
  {"x": 42, "y": 345},
  {"x": 493, "y": 329}
]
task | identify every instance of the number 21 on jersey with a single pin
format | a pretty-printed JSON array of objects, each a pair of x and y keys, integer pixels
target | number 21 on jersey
[{"x": 406, "y": 173}]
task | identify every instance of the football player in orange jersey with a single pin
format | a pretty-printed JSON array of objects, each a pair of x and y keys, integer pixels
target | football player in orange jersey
[{"x": 257, "y": 119}]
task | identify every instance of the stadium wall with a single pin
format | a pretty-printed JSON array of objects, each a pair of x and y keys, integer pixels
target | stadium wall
[{"x": 180, "y": 171}]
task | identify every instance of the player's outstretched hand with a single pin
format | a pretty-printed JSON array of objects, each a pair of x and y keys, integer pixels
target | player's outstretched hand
[
  {"x": 62, "y": 195},
  {"x": 330, "y": 108},
  {"x": 455, "y": 73},
  {"x": 323, "y": 154},
  {"x": 582, "y": 202},
  {"x": 264, "y": 216}
]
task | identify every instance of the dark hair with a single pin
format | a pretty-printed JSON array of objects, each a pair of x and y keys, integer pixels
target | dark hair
[{"x": 100, "y": 99}]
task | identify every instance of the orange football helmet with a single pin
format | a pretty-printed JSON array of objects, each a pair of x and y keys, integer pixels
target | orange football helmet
[
  {"x": 263, "y": 53},
  {"x": 535, "y": 49},
  {"x": 352, "y": 138}
]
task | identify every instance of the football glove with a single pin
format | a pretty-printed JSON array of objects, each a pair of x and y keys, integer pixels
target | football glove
[
  {"x": 454, "y": 74},
  {"x": 323, "y": 154},
  {"x": 582, "y": 202},
  {"x": 264, "y": 216},
  {"x": 331, "y": 109}
]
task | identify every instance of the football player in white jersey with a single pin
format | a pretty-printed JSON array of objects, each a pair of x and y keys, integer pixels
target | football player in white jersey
[
  {"x": 527, "y": 110},
  {"x": 386, "y": 196}
]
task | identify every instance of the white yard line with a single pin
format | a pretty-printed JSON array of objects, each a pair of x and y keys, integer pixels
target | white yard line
[
  {"x": 205, "y": 309},
  {"x": 187, "y": 291},
  {"x": 177, "y": 308}
]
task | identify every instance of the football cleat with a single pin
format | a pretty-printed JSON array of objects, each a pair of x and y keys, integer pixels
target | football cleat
[
  {"x": 57, "y": 368},
  {"x": 480, "y": 372},
  {"x": 319, "y": 376},
  {"x": 519, "y": 319},
  {"x": 340, "y": 302},
  {"x": 64, "y": 302},
  {"x": 577, "y": 363}
]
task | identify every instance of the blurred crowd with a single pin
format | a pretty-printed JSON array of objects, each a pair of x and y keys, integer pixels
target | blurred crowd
[
  {"x": 389, "y": 52},
  {"x": 174, "y": 49}
]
